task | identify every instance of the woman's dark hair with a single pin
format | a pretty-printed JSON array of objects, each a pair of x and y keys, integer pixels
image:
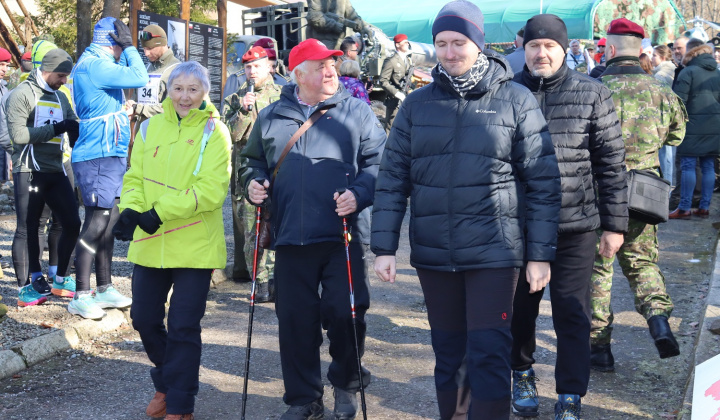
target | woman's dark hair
[
  {"x": 646, "y": 63},
  {"x": 664, "y": 52}
]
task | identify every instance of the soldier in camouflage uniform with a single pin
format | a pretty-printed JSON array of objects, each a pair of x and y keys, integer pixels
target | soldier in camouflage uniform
[
  {"x": 240, "y": 120},
  {"x": 651, "y": 116}
]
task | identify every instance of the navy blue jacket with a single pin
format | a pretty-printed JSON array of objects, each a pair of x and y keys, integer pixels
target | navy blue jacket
[
  {"x": 341, "y": 150},
  {"x": 480, "y": 170}
]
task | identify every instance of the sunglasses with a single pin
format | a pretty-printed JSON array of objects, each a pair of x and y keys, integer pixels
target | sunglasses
[{"x": 145, "y": 36}]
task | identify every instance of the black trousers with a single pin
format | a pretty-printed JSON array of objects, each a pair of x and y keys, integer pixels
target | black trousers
[
  {"x": 174, "y": 351},
  {"x": 570, "y": 292},
  {"x": 303, "y": 312},
  {"x": 470, "y": 314}
]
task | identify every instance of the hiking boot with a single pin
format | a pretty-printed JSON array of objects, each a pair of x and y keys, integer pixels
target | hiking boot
[
  {"x": 262, "y": 294},
  {"x": 63, "y": 286},
  {"x": 157, "y": 406},
  {"x": 188, "y": 416},
  {"x": 41, "y": 286},
  {"x": 111, "y": 298},
  {"x": 601, "y": 358},
  {"x": 28, "y": 296},
  {"x": 665, "y": 341},
  {"x": 85, "y": 306},
  {"x": 525, "y": 401},
  {"x": 568, "y": 407},
  {"x": 310, "y": 411},
  {"x": 345, "y": 404}
]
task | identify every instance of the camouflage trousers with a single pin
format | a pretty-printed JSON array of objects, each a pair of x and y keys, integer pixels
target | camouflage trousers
[
  {"x": 638, "y": 257},
  {"x": 265, "y": 257}
]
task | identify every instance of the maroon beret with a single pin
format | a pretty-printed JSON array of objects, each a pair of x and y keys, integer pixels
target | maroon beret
[
  {"x": 254, "y": 54},
  {"x": 624, "y": 26},
  {"x": 5, "y": 55}
]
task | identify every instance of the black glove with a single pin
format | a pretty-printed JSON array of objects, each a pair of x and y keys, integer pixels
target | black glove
[
  {"x": 149, "y": 221},
  {"x": 235, "y": 102},
  {"x": 126, "y": 224},
  {"x": 60, "y": 127},
  {"x": 123, "y": 37},
  {"x": 73, "y": 131}
]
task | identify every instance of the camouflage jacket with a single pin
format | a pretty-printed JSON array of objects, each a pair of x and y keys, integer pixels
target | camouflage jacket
[
  {"x": 650, "y": 114},
  {"x": 238, "y": 119}
]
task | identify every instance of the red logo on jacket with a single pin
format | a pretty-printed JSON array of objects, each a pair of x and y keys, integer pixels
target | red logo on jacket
[{"x": 191, "y": 142}]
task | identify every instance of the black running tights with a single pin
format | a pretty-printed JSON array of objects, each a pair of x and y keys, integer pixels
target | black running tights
[{"x": 95, "y": 245}]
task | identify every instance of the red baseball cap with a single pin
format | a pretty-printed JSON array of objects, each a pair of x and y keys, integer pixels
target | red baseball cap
[
  {"x": 602, "y": 42},
  {"x": 310, "y": 49},
  {"x": 400, "y": 38},
  {"x": 624, "y": 26},
  {"x": 5, "y": 55},
  {"x": 254, "y": 54}
]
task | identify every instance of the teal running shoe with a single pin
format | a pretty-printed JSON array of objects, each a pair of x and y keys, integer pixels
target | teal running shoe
[
  {"x": 85, "y": 306},
  {"x": 63, "y": 286},
  {"x": 28, "y": 296},
  {"x": 111, "y": 298}
]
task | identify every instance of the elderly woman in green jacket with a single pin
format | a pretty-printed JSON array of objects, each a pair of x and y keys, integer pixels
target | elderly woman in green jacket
[{"x": 171, "y": 204}]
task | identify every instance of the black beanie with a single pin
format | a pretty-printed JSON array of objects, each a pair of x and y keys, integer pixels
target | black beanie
[
  {"x": 546, "y": 26},
  {"x": 463, "y": 17}
]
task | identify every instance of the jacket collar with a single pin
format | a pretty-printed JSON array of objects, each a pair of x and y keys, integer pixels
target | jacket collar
[
  {"x": 289, "y": 106},
  {"x": 99, "y": 52},
  {"x": 194, "y": 118},
  {"x": 167, "y": 55},
  {"x": 35, "y": 77},
  {"x": 623, "y": 65},
  {"x": 538, "y": 84}
]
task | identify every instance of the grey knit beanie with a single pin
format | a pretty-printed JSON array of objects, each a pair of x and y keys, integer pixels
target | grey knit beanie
[{"x": 57, "y": 61}]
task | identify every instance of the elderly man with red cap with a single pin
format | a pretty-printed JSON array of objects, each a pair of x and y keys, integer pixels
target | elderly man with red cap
[
  {"x": 241, "y": 111},
  {"x": 329, "y": 145},
  {"x": 651, "y": 116},
  {"x": 395, "y": 77}
]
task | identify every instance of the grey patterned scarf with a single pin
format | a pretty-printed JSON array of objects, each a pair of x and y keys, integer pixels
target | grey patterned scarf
[{"x": 463, "y": 83}]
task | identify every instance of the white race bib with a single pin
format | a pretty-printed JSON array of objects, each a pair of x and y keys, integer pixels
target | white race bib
[
  {"x": 48, "y": 113},
  {"x": 148, "y": 94}
]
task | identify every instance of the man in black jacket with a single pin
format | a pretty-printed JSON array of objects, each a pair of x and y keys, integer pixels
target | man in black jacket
[
  {"x": 340, "y": 151},
  {"x": 588, "y": 144}
]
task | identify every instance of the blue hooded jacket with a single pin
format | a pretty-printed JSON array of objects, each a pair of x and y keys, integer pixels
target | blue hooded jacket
[{"x": 98, "y": 83}]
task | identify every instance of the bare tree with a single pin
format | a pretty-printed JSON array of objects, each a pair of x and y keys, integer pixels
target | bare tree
[
  {"x": 84, "y": 25},
  {"x": 111, "y": 8}
]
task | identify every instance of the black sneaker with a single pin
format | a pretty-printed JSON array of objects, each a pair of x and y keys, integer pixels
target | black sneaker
[
  {"x": 311, "y": 411},
  {"x": 345, "y": 404},
  {"x": 41, "y": 286}
]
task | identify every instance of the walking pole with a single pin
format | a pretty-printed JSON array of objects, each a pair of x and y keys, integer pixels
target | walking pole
[
  {"x": 346, "y": 236},
  {"x": 252, "y": 308}
]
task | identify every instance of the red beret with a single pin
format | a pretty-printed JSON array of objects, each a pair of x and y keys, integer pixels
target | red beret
[
  {"x": 623, "y": 26},
  {"x": 271, "y": 54},
  {"x": 310, "y": 49},
  {"x": 27, "y": 56},
  {"x": 5, "y": 55},
  {"x": 400, "y": 38},
  {"x": 265, "y": 43},
  {"x": 254, "y": 54},
  {"x": 602, "y": 42}
]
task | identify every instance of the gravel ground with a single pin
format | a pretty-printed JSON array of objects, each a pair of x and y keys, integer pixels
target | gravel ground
[{"x": 23, "y": 323}]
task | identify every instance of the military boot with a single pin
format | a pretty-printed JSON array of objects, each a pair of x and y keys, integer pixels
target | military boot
[
  {"x": 601, "y": 358},
  {"x": 662, "y": 334}
]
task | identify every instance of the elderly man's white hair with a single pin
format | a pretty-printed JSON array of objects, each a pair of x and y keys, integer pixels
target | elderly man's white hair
[{"x": 300, "y": 67}]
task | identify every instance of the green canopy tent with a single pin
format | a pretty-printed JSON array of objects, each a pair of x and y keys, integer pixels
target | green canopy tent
[{"x": 584, "y": 18}]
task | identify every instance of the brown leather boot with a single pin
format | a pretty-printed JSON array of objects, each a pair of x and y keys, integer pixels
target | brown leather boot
[
  {"x": 156, "y": 408},
  {"x": 188, "y": 416}
]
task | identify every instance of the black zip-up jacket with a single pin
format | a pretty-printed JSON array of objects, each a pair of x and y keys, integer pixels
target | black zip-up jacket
[
  {"x": 480, "y": 171},
  {"x": 589, "y": 148},
  {"x": 341, "y": 150}
]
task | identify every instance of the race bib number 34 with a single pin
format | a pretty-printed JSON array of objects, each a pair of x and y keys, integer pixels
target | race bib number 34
[{"x": 148, "y": 94}]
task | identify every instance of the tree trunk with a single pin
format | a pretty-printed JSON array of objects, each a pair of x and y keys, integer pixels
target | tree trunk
[
  {"x": 111, "y": 8},
  {"x": 84, "y": 25}
]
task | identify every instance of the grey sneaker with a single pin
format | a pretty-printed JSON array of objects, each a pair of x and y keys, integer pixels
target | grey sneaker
[
  {"x": 111, "y": 298},
  {"x": 311, "y": 411},
  {"x": 345, "y": 404},
  {"x": 85, "y": 306}
]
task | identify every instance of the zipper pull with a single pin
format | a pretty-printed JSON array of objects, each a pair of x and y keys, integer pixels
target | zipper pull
[{"x": 156, "y": 150}]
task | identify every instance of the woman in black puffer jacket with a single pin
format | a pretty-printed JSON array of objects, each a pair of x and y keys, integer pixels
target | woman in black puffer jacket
[{"x": 473, "y": 153}]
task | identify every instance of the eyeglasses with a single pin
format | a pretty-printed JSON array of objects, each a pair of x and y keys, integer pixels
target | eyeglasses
[{"x": 145, "y": 36}]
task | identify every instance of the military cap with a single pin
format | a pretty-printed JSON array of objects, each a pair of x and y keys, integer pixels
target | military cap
[
  {"x": 624, "y": 26},
  {"x": 400, "y": 38},
  {"x": 254, "y": 54},
  {"x": 5, "y": 55},
  {"x": 715, "y": 41},
  {"x": 265, "y": 43},
  {"x": 157, "y": 37}
]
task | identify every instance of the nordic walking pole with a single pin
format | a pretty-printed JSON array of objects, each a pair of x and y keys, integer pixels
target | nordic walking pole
[
  {"x": 346, "y": 236},
  {"x": 252, "y": 305}
]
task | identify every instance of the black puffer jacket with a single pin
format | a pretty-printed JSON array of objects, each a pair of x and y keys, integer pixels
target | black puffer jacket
[
  {"x": 342, "y": 149},
  {"x": 698, "y": 85},
  {"x": 589, "y": 148},
  {"x": 480, "y": 170}
]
